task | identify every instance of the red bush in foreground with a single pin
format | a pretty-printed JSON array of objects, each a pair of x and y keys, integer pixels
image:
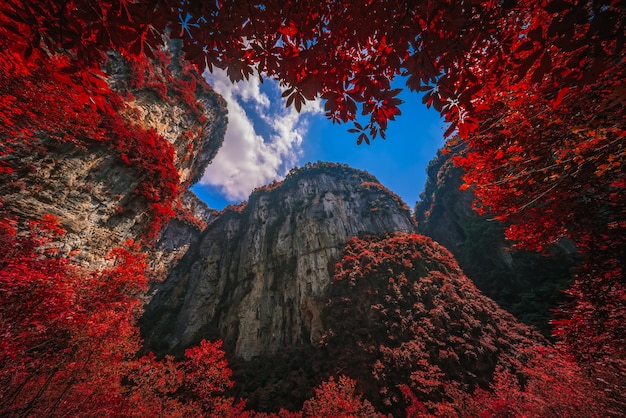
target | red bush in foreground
[
  {"x": 70, "y": 341},
  {"x": 418, "y": 336}
]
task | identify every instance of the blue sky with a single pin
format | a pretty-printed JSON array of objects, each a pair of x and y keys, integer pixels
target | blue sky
[{"x": 264, "y": 140}]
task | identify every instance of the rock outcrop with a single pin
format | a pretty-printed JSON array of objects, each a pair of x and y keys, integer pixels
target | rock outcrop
[
  {"x": 175, "y": 101},
  {"x": 258, "y": 276},
  {"x": 180, "y": 233},
  {"x": 90, "y": 187}
]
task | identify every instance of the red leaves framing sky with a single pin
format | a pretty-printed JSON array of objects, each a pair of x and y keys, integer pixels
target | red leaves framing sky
[{"x": 534, "y": 88}]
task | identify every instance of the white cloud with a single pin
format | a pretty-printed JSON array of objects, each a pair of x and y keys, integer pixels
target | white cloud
[{"x": 255, "y": 155}]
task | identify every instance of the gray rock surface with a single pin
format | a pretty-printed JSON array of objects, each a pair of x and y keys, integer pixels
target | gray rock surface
[
  {"x": 258, "y": 275},
  {"x": 180, "y": 233},
  {"x": 196, "y": 136}
]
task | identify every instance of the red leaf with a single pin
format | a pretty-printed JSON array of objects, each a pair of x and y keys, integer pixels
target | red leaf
[
  {"x": 559, "y": 97},
  {"x": 557, "y": 6},
  {"x": 542, "y": 69},
  {"x": 288, "y": 31},
  {"x": 528, "y": 62},
  {"x": 450, "y": 130},
  {"x": 526, "y": 46}
]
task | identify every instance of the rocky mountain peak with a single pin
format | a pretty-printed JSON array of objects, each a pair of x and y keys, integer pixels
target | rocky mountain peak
[{"x": 259, "y": 273}]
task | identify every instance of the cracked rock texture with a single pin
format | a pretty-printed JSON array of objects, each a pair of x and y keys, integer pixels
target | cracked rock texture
[
  {"x": 196, "y": 141},
  {"x": 258, "y": 275}
]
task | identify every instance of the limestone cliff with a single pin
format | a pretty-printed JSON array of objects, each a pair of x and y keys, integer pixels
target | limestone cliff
[
  {"x": 259, "y": 274},
  {"x": 177, "y": 103},
  {"x": 526, "y": 284},
  {"x": 90, "y": 187},
  {"x": 181, "y": 232}
]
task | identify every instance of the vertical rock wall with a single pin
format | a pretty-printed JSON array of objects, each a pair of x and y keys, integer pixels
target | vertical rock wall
[{"x": 257, "y": 277}]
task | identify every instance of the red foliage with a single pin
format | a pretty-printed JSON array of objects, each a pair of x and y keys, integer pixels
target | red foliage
[
  {"x": 545, "y": 384},
  {"x": 414, "y": 408},
  {"x": 37, "y": 303},
  {"x": 27, "y": 116},
  {"x": 194, "y": 387},
  {"x": 186, "y": 215},
  {"x": 208, "y": 377},
  {"x": 549, "y": 155},
  {"x": 554, "y": 175},
  {"x": 535, "y": 89},
  {"x": 153, "y": 74},
  {"x": 338, "y": 399},
  {"x": 153, "y": 388},
  {"x": 592, "y": 325},
  {"x": 377, "y": 187},
  {"x": 348, "y": 52},
  {"x": 395, "y": 317},
  {"x": 237, "y": 208},
  {"x": 25, "y": 110},
  {"x": 548, "y": 384},
  {"x": 66, "y": 332},
  {"x": 419, "y": 336},
  {"x": 70, "y": 339},
  {"x": 268, "y": 187}
]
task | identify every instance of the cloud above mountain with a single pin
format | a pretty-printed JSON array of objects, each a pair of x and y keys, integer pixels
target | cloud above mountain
[{"x": 263, "y": 139}]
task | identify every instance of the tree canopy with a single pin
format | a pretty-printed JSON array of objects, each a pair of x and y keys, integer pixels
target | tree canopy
[{"x": 348, "y": 52}]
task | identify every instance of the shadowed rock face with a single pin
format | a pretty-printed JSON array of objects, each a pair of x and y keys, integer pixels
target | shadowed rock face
[
  {"x": 259, "y": 274},
  {"x": 526, "y": 284}
]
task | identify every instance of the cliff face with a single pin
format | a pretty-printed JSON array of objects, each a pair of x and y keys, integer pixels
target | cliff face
[
  {"x": 259, "y": 274},
  {"x": 526, "y": 284},
  {"x": 444, "y": 209},
  {"x": 180, "y": 233},
  {"x": 90, "y": 187},
  {"x": 174, "y": 100}
]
